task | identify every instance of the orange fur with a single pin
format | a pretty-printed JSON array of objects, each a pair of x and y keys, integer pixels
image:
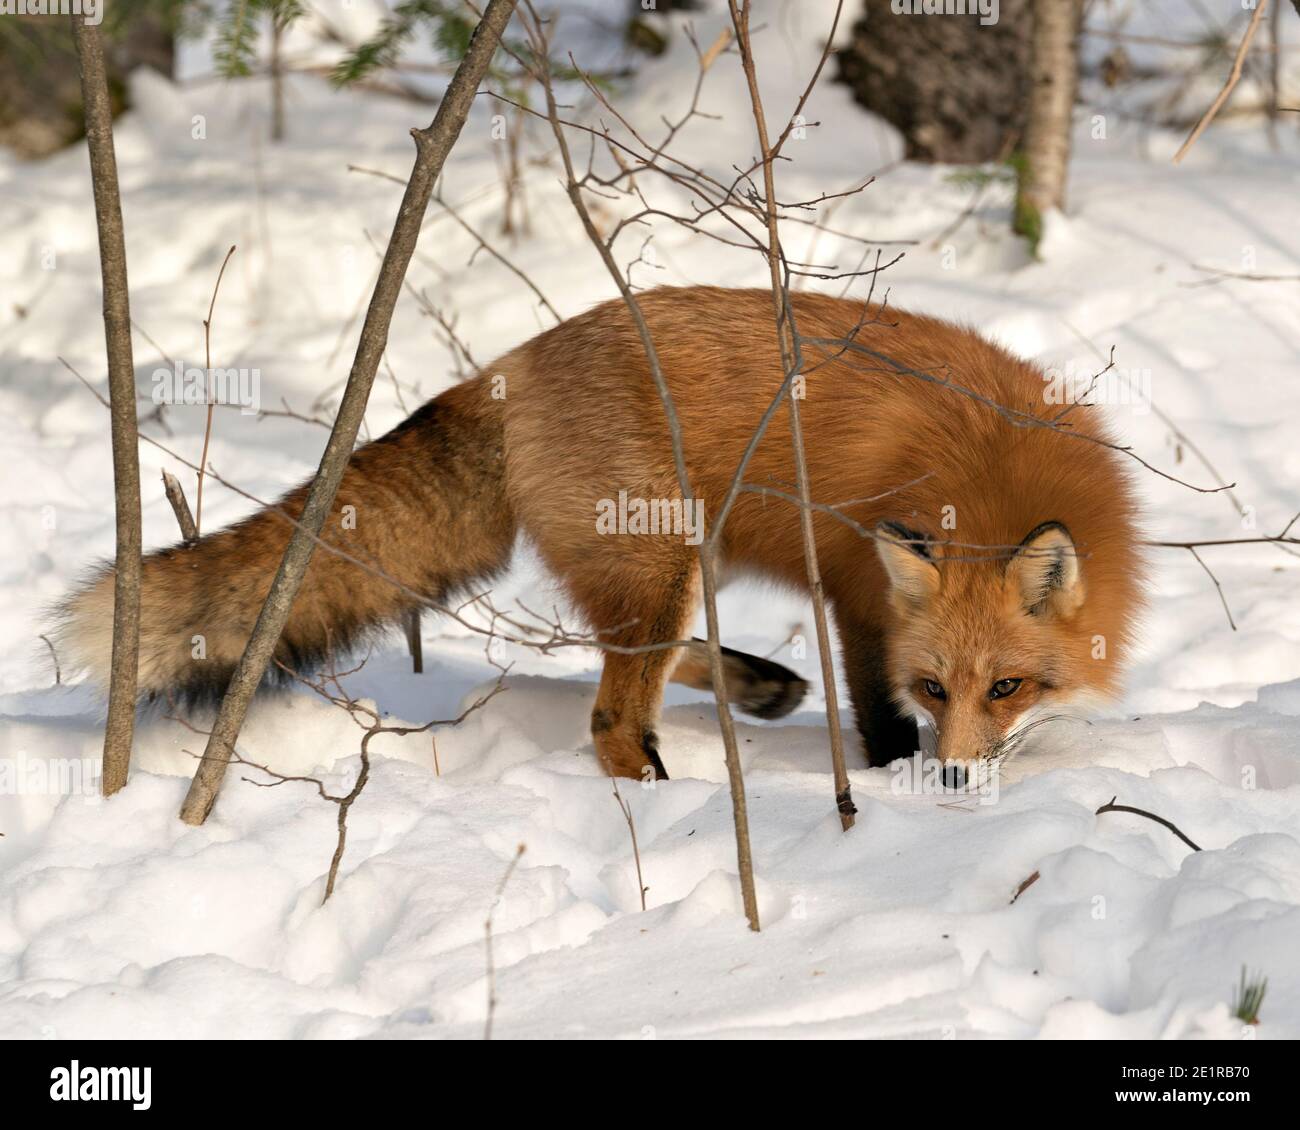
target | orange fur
[{"x": 580, "y": 422}]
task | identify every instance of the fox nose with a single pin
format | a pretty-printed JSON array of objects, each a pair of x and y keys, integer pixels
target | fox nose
[{"x": 954, "y": 775}]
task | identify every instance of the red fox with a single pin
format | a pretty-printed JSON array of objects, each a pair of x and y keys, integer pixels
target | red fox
[{"x": 998, "y": 578}]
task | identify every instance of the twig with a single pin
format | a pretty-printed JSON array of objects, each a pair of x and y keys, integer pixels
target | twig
[
  {"x": 207, "y": 427},
  {"x": 787, "y": 341},
  {"x": 176, "y": 496},
  {"x": 1180, "y": 436},
  {"x": 1154, "y": 40},
  {"x": 1020, "y": 890},
  {"x": 1219, "y": 588},
  {"x": 487, "y": 937},
  {"x": 1247, "y": 275},
  {"x": 705, "y": 550},
  {"x": 1111, "y": 806},
  {"x": 54, "y": 655},
  {"x": 1263, "y": 539},
  {"x": 552, "y": 634},
  {"x": 432, "y": 146},
  {"x": 631, "y": 827},
  {"x": 328, "y": 686},
  {"x": 1017, "y": 417},
  {"x": 474, "y": 234},
  {"x": 1274, "y": 73},
  {"x": 1228, "y": 86},
  {"x": 145, "y": 334}
]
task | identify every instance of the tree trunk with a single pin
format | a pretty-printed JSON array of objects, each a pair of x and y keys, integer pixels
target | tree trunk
[
  {"x": 1045, "y": 160},
  {"x": 432, "y": 146},
  {"x": 953, "y": 86},
  {"x": 120, "y": 728}
]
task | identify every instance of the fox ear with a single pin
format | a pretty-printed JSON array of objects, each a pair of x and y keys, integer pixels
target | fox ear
[
  {"x": 905, "y": 555},
  {"x": 1043, "y": 575}
]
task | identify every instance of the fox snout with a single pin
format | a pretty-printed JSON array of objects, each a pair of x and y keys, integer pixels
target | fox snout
[
  {"x": 972, "y": 746},
  {"x": 965, "y": 745}
]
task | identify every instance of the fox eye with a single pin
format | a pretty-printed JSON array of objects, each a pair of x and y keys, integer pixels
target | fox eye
[
  {"x": 935, "y": 690},
  {"x": 1004, "y": 688}
]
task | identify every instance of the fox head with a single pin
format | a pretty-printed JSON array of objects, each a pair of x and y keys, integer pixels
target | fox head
[{"x": 985, "y": 643}]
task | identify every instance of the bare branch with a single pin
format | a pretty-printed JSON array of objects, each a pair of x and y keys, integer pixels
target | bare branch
[
  {"x": 1218, "y": 587},
  {"x": 176, "y": 496},
  {"x": 705, "y": 550},
  {"x": 787, "y": 340},
  {"x": 483, "y": 243},
  {"x": 487, "y": 936},
  {"x": 432, "y": 146},
  {"x": 631, "y": 828},
  {"x": 207, "y": 353},
  {"x": 1228, "y": 86},
  {"x": 1111, "y": 806}
]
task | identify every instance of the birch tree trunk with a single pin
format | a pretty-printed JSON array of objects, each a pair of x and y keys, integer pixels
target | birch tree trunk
[{"x": 1045, "y": 156}]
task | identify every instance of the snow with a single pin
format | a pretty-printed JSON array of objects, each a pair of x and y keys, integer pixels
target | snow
[{"x": 117, "y": 920}]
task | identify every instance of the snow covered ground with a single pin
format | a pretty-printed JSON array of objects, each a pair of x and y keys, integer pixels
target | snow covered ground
[{"x": 117, "y": 920}]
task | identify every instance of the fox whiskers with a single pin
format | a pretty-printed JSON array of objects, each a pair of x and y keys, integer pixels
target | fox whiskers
[{"x": 1015, "y": 738}]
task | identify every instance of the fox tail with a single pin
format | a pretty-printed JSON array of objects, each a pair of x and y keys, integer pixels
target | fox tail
[{"x": 425, "y": 506}]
